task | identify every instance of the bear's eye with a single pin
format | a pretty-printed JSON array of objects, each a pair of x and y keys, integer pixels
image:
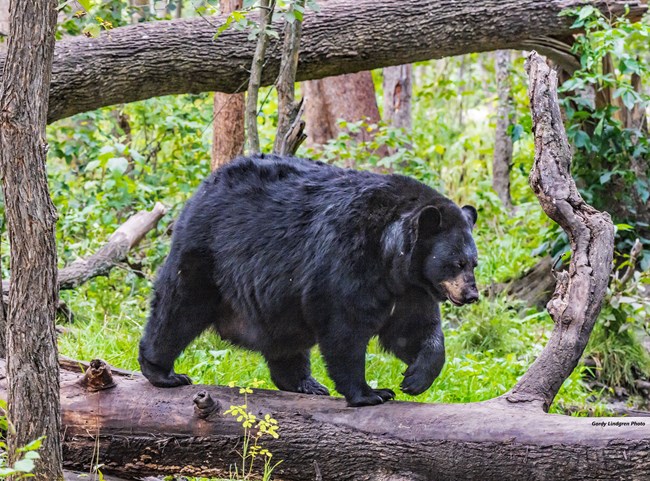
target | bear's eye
[{"x": 460, "y": 264}]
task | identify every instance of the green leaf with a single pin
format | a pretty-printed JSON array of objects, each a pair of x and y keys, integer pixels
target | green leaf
[
  {"x": 117, "y": 164},
  {"x": 606, "y": 177},
  {"x": 86, "y": 4},
  {"x": 24, "y": 465},
  {"x": 33, "y": 446},
  {"x": 92, "y": 165},
  {"x": 623, "y": 227},
  {"x": 581, "y": 139}
]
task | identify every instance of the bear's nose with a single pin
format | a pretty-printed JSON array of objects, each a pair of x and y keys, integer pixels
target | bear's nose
[{"x": 471, "y": 296}]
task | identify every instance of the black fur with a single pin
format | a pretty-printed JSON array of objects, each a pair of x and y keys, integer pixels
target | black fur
[{"x": 278, "y": 254}]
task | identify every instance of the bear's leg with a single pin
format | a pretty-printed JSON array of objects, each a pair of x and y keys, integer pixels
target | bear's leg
[
  {"x": 293, "y": 374},
  {"x": 345, "y": 355},
  {"x": 414, "y": 335},
  {"x": 427, "y": 364},
  {"x": 185, "y": 303}
]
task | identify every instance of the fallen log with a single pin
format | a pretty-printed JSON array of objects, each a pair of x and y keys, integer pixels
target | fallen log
[
  {"x": 125, "y": 238},
  {"x": 135, "y": 429},
  {"x": 181, "y": 56}
]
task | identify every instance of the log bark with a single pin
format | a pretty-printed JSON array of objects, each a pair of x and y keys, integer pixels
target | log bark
[
  {"x": 32, "y": 371},
  {"x": 180, "y": 56},
  {"x": 228, "y": 123},
  {"x": 579, "y": 291},
  {"x": 135, "y": 429},
  {"x": 125, "y": 238}
]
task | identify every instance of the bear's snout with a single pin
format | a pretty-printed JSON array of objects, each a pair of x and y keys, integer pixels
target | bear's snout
[{"x": 460, "y": 290}]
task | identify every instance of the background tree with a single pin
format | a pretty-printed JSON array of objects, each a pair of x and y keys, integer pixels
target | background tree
[
  {"x": 32, "y": 367},
  {"x": 228, "y": 124},
  {"x": 398, "y": 89},
  {"x": 349, "y": 98},
  {"x": 502, "y": 160}
]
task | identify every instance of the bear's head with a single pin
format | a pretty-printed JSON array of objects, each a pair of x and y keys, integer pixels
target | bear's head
[
  {"x": 433, "y": 248},
  {"x": 444, "y": 251}
]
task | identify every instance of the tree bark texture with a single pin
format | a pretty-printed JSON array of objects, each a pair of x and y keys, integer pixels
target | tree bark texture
[
  {"x": 125, "y": 238},
  {"x": 502, "y": 159},
  {"x": 229, "y": 135},
  {"x": 180, "y": 56},
  {"x": 33, "y": 371},
  {"x": 288, "y": 110},
  {"x": 398, "y": 89},
  {"x": 349, "y": 97},
  {"x": 134, "y": 429},
  {"x": 579, "y": 291},
  {"x": 266, "y": 8}
]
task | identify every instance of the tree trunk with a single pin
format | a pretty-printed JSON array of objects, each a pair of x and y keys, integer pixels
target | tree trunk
[
  {"x": 228, "y": 137},
  {"x": 33, "y": 371},
  {"x": 290, "y": 131},
  {"x": 344, "y": 37},
  {"x": 398, "y": 90},
  {"x": 135, "y": 429},
  {"x": 349, "y": 97},
  {"x": 265, "y": 8},
  {"x": 502, "y": 160}
]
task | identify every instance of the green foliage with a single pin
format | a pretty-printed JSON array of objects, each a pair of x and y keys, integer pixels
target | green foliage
[
  {"x": 600, "y": 101},
  {"x": 27, "y": 455},
  {"x": 615, "y": 341},
  {"x": 255, "y": 429}
]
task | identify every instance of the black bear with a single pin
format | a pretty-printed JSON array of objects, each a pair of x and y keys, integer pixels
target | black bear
[{"x": 278, "y": 254}]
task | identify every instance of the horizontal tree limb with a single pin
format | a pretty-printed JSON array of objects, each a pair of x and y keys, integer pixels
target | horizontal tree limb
[
  {"x": 135, "y": 429},
  {"x": 181, "y": 56},
  {"x": 127, "y": 236}
]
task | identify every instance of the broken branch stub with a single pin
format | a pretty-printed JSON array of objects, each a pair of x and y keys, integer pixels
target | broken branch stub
[{"x": 579, "y": 292}]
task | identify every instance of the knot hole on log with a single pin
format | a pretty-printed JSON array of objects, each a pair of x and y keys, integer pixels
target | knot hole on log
[
  {"x": 204, "y": 405},
  {"x": 98, "y": 376}
]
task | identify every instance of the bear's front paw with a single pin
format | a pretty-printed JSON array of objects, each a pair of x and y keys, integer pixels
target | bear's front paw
[
  {"x": 312, "y": 386},
  {"x": 417, "y": 380}
]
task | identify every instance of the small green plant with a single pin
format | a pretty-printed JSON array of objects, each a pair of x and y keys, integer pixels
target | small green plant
[
  {"x": 24, "y": 465},
  {"x": 615, "y": 342},
  {"x": 255, "y": 428}
]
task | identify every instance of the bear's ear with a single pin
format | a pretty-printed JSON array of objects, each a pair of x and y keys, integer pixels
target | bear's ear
[
  {"x": 427, "y": 221},
  {"x": 470, "y": 214}
]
